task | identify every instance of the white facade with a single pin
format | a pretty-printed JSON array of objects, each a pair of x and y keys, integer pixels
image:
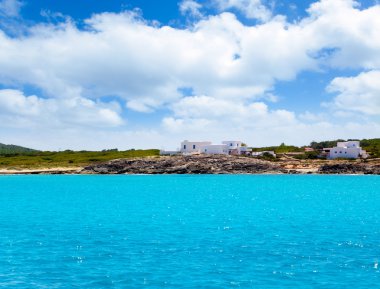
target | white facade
[
  {"x": 215, "y": 149},
  {"x": 349, "y": 149},
  {"x": 206, "y": 147},
  {"x": 195, "y": 147},
  {"x": 232, "y": 144},
  {"x": 348, "y": 144}
]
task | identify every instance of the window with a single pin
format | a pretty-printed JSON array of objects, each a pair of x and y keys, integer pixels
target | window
[
  {"x": 184, "y": 147},
  {"x": 231, "y": 144},
  {"x": 193, "y": 147}
]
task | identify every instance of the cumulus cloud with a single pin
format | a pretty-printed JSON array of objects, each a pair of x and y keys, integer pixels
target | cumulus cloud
[
  {"x": 360, "y": 93},
  {"x": 254, "y": 9},
  {"x": 212, "y": 114},
  {"x": 18, "y": 110},
  {"x": 346, "y": 34},
  {"x": 123, "y": 55},
  {"x": 230, "y": 68},
  {"x": 10, "y": 8},
  {"x": 190, "y": 7}
]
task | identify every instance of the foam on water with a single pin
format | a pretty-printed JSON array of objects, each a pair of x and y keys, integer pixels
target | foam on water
[{"x": 227, "y": 231}]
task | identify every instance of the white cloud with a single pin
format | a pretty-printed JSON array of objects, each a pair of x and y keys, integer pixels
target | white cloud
[
  {"x": 207, "y": 113},
  {"x": 229, "y": 67},
  {"x": 18, "y": 110},
  {"x": 123, "y": 55},
  {"x": 360, "y": 93},
  {"x": 190, "y": 7},
  {"x": 254, "y": 9},
  {"x": 10, "y": 8},
  {"x": 348, "y": 32}
]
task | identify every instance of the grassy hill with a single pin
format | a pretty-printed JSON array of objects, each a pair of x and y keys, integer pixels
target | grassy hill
[
  {"x": 67, "y": 158},
  {"x": 13, "y": 149}
]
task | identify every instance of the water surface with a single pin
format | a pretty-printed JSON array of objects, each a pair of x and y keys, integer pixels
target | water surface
[{"x": 226, "y": 231}]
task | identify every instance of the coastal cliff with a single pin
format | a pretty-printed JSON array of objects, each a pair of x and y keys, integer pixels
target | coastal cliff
[
  {"x": 215, "y": 164},
  {"x": 220, "y": 164}
]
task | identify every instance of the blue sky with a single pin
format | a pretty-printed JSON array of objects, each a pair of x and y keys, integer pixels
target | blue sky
[{"x": 92, "y": 74}]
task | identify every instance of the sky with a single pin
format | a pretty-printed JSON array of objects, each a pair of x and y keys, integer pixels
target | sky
[{"x": 103, "y": 74}]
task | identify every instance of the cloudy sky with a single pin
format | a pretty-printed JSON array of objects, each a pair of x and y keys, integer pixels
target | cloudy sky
[{"x": 97, "y": 74}]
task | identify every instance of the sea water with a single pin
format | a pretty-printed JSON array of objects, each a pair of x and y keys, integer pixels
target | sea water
[{"x": 225, "y": 231}]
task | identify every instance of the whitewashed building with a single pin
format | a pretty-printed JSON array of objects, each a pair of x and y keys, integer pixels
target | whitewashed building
[
  {"x": 226, "y": 148},
  {"x": 348, "y": 149},
  {"x": 193, "y": 147}
]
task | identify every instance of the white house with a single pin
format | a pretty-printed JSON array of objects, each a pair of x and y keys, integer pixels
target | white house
[
  {"x": 215, "y": 149},
  {"x": 195, "y": 147},
  {"x": 226, "y": 148},
  {"x": 348, "y": 149}
]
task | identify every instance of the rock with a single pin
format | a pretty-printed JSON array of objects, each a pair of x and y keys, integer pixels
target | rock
[
  {"x": 349, "y": 168},
  {"x": 185, "y": 165},
  {"x": 220, "y": 164}
]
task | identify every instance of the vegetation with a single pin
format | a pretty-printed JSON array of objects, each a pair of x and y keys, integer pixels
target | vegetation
[
  {"x": 308, "y": 156},
  {"x": 324, "y": 144},
  {"x": 281, "y": 149},
  {"x": 13, "y": 149},
  {"x": 267, "y": 157},
  {"x": 372, "y": 146},
  {"x": 68, "y": 158}
]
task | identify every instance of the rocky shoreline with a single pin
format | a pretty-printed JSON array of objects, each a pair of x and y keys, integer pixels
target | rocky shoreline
[
  {"x": 231, "y": 165},
  {"x": 215, "y": 164}
]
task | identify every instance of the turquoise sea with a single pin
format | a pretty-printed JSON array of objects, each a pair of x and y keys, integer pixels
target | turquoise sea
[{"x": 225, "y": 231}]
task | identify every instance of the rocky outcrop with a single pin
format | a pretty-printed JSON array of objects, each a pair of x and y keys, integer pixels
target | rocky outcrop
[
  {"x": 220, "y": 164},
  {"x": 350, "y": 168},
  {"x": 186, "y": 165}
]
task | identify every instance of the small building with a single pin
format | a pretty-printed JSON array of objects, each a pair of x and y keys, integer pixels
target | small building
[
  {"x": 308, "y": 149},
  {"x": 206, "y": 147},
  {"x": 348, "y": 149},
  {"x": 188, "y": 147}
]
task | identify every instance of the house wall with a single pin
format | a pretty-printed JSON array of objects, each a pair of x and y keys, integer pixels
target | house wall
[
  {"x": 188, "y": 147},
  {"x": 341, "y": 152},
  {"x": 232, "y": 144},
  {"x": 215, "y": 149},
  {"x": 349, "y": 144}
]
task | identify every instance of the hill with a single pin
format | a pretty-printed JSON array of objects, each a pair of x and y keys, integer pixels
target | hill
[{"x": 14, "y": 150}]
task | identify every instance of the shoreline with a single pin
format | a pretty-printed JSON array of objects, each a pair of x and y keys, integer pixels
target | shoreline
[{"x": 196, "y": 165}]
